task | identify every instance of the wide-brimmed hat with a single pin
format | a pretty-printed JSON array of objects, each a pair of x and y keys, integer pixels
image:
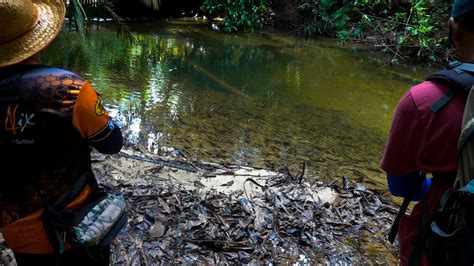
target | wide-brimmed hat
[{"x": 27, "y": 26}]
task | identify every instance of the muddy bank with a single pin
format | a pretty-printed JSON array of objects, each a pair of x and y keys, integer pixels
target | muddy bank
[{"x": 198, "y": 212}]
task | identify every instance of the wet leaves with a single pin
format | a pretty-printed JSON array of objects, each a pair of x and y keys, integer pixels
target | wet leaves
[
  {"x": 214, "y": 216},
  {"x": 183, "y": 217}
]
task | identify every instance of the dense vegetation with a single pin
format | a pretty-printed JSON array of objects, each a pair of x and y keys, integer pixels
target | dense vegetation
[
  {"x": 245, "y": 15},
  {"x": 412, "y": 29}
]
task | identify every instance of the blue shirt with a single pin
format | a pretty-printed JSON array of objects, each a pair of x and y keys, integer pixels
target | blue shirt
[{"x": 400, "y": 185}]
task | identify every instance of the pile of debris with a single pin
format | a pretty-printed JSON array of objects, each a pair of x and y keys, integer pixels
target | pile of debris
[
  {"x": 197, "y": 212},
  {"x": 184, "y": 212}
]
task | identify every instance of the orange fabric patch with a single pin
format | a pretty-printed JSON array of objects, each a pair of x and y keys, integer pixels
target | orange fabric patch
[
  {"x": 89, "y": 116},
  {"x": 28, "y": 236}
]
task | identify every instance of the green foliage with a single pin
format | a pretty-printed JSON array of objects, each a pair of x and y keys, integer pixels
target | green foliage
[
  {"x": 326, "y": 17},
  {"x": 319, "y": 16},
  {"x": 77, "y": 16},
  {"x": 81, "y": 14},
  {"x": 412, "y": 27},
  {"x": 419, "y": 28},
  {"x": 238, "y": 15}
]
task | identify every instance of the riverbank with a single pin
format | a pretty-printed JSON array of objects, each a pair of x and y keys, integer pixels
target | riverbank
[
  {"x": 409, "y": 31},
  {"x": 184, "y": 211}
]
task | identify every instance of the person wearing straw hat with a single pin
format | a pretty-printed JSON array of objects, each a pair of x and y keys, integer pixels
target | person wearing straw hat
[
  {"x": 424, "y": 138},
  {"x": 49, "y": 118}
]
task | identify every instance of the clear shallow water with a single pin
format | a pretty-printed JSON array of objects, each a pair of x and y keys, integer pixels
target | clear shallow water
[{"x": 261, "y": 100}]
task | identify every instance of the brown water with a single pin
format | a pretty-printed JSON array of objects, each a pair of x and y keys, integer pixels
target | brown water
[{"x": 261, "y": 100}]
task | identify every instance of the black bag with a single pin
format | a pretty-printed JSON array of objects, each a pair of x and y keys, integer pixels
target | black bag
[
  {"x": 447, "y": 236},
  {"x": 96, "y": 223}
]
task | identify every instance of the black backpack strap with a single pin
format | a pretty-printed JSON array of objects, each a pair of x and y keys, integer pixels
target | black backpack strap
[
  {"x": 419, "y": 244},
  {"x": 85, "y": 179},
  {"x": 56, "y": 239},
  {"x": 441, "y": 102},
  {"x": 460, "y": 77},
  {"x": 52, "y": 217},
  {"x": 413, "y": 190},
  {"x": 435, "y": 227},
  {"x": 463, "y": 67}
]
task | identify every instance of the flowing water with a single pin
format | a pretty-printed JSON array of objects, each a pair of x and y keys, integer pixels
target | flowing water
[{"x": 263, "y": 100}]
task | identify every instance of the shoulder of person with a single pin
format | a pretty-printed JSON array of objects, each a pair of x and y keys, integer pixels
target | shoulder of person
[
  {"x": 47, "y": 73},
  {"x": 425, "y": 94}
]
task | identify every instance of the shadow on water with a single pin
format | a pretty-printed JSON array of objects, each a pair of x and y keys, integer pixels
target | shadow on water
[{"x": 262, "y": 100}]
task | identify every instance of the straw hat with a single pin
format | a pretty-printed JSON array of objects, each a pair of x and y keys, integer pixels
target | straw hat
[{"x": 27, "y": 26}]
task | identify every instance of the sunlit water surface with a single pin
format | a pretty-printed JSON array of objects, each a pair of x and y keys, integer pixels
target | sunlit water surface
[{"x": 262, "y": 100}]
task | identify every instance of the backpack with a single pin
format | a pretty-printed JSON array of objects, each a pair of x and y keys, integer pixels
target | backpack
[
  {"x": 96, "y": 223},
  {"x": 446, "y": 237}
]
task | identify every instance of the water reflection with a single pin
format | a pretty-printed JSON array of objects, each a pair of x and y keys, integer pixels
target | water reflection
[{"x": 263, "y": 100}]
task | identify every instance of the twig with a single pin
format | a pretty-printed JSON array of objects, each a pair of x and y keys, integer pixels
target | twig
[
  {"x": 384, "y": 19},
  {"x": 158, "y": 161},
  {"x": 404, "y": 36},
  {"x": 301, "y": 177},
  {"x": 255, "y": 183}
]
